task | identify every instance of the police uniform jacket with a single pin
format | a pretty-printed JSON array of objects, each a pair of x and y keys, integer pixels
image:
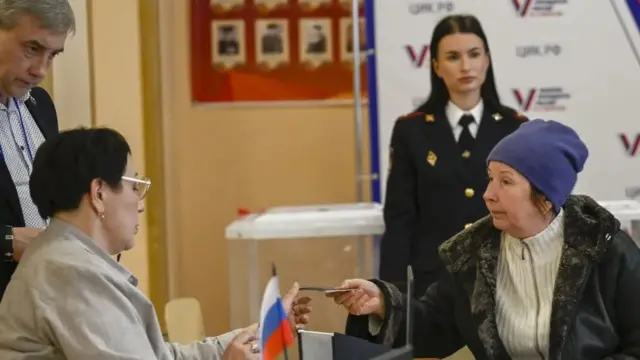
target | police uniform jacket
[{"x": 434, "y": 187}]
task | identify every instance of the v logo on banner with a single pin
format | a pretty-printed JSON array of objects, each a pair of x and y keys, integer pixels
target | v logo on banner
[
  {"x": 417, "y": 56},
  {"x": 630, "y": 143},
  {"x": 524, "y": 98},
  {"x": 522, "y": 6},
  {"x": 628, "y": 13}
]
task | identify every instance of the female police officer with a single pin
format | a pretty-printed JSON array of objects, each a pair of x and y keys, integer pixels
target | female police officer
[{"x": 437, "y": 156}]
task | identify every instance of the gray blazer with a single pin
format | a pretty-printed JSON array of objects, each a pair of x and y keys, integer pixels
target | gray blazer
[{"x": 69, "y": 299}]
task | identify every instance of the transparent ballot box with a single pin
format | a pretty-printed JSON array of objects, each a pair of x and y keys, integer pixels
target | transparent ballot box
[{"x": 319, "y": 245}]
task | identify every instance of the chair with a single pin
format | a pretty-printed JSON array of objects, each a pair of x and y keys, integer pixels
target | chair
[{"x": 183, "y": 317}]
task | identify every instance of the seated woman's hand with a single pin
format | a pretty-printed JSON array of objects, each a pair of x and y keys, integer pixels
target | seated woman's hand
[
  {"x": 298, "y": 309},
  {"x": 364, "y": 298},
  {"x": 243, "y": 346}
]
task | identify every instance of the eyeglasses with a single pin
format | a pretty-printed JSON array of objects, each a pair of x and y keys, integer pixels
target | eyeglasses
[{"x": 141, "y": 186}]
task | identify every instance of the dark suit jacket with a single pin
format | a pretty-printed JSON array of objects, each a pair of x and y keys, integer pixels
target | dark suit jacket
[
  {"x": 317, "y": 47},
  {"x": 272, "y": 44},
  {"x": 432, "y": 191},
  {"x": 44, "y": 113},
  {"x": 228, "y": 47}
]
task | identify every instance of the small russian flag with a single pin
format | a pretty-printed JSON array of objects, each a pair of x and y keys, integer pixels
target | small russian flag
[{"x": 275, "y": 332}]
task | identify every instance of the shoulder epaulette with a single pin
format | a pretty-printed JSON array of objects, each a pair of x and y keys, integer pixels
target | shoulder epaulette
[
  {"x": 511, "y": 112},
  {"x": 410, "y": 115}
]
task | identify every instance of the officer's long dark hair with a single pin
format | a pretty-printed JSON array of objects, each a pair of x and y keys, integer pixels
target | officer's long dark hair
[{"x": 439, "y": 95}]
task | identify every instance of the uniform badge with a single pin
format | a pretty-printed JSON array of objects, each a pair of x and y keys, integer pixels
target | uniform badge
[
  {"x": 429, "y": 118},
  {"x": 432, "y": 158},
  {"x": 497, "y": 117}
]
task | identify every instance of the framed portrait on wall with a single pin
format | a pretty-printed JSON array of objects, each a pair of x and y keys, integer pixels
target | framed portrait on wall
[
  {"x": 346, "y": 40},
  {"x": 316, "y": 43},
  {"x": 228, "y": 43},
  {"x": 272, "y": 51},
  {"x": 272, "y": 45}
]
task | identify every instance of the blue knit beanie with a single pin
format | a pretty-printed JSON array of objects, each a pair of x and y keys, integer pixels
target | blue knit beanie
[{"x": 549, "y": 154}]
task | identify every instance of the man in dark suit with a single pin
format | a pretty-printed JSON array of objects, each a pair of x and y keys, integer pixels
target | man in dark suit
[
  {"x": 316, "y": 40},
  {"x": 228, "y": 43},
  {"x": 32, "y": 33},
  {"x": 272, "y": 40}
]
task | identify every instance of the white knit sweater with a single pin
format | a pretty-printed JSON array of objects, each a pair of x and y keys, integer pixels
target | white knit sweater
[{"x": 526, "y": 277}]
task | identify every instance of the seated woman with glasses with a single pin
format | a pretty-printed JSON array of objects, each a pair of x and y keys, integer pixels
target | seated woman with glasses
[{"x": 69, "y": 299}]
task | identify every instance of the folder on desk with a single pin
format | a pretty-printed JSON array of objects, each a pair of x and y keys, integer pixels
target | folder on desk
[{"x": 315, "y": 345}]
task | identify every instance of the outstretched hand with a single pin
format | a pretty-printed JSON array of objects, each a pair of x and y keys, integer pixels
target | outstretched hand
[
  {"x": 298, "y": 309},
  {"x": 364, "y": 298}
]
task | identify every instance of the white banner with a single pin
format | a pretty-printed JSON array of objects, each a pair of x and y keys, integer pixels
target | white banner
[{"x": 577, "y": 62}]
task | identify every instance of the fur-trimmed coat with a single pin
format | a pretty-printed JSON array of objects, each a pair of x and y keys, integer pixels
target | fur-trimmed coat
[{"x": 596, "y": 302}]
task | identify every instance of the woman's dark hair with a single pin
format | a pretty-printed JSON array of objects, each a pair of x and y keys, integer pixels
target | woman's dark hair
[
  {"x": 66, "y": 164},
  {"x": 439, "y": 95}
]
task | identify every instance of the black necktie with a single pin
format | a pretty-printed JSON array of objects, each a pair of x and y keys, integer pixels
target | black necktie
[{"x": 466, "y": 141}]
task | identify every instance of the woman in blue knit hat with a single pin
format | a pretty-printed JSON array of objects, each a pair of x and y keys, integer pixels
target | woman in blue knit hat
[{"x": 547, "y": 275}]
